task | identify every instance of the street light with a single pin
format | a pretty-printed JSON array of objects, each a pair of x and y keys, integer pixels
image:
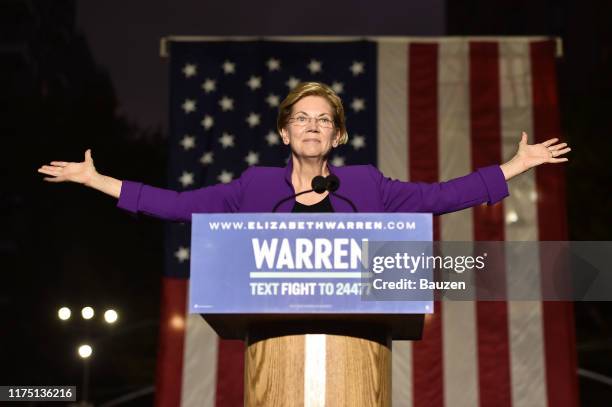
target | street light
[
  {"x": 87, "y": 313},
  {"x": 85, "y": 351},
  {"x": 64, "y": 313},
  {"x": 111, "y": 316}
]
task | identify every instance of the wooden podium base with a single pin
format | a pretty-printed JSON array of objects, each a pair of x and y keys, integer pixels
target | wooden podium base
[
  {"x": 316, "y": 359},
  {"x": 316, "y": 370}
]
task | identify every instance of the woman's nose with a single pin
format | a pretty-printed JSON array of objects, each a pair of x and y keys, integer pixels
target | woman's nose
[{"x": 313, "y": 124}]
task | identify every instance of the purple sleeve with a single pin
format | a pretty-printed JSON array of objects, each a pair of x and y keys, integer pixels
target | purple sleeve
[
  {"x": 136, "y": 197},
  {"x": 483, "y": 185}
]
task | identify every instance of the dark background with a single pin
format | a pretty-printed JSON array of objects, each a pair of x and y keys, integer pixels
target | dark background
[{"x": 85, "y": 74}]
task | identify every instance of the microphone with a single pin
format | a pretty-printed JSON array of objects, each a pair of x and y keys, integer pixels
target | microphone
[
  {"x": 332, "y": 183},
  {"x": 320, "y": 184}
]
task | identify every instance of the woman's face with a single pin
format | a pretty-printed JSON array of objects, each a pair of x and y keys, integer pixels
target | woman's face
[{"x": 310, "y": 131}]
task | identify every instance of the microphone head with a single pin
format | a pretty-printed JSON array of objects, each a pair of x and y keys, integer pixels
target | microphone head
[
  {"x": 318, "y": 184},
  {"x": 332, "y": 183}
]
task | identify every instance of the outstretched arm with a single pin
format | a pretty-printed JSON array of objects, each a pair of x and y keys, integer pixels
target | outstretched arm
[
  {"x": 136, "y": 197},
  {"x": 83, "y": 173},
  {"x": 485, "y": 185},
  {"x": 532, "y": 155}
]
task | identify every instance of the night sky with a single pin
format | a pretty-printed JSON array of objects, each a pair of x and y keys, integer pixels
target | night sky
[{"x": 124, "y": 36}]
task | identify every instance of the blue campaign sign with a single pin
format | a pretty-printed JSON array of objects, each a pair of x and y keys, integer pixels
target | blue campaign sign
[{"x": 301, "y": 263}]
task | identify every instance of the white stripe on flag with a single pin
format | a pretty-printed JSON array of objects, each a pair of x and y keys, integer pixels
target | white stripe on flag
[
  {"x": 199, "y": 364},
  {"x": 459, "y": 317},
  {"x": 392, "y": 109},
  {"x": 524, "y": 317},
  {"x": 392, "y": 148}
]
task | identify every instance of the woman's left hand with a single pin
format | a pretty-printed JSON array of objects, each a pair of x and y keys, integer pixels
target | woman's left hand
[{"x": 532, "y": 155}]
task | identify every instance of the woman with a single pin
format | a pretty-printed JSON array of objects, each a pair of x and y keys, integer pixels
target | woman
[{"x": 311, "y": 122}]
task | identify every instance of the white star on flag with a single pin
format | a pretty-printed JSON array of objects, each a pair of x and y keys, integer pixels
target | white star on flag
[
  {"x": 186, "y": 179},
  {"x": 358, "y": 104},
  {"x": 189, "y": 105},
  {"x": 226, "y": 103},
  {"x": 188, "y": 142},
  {"x": 292, "y": 82},
  {"x": 337, "y": 161},
  {"x": 254, "y": 82},
  {"x": 272, "y": 138},
  {"x": 207, "y": 122},
  {"x": 229, "y": 67},
  {"x": 358, "y": 142},
  {"x": 182, "y": 254},
  {"x": 225, "y": 176},
  {"x": 253, "y": 119},
  {"x": 209, "y": 85},
  {"x": 207, "y": 158},
  {"x": 226, "y": 140},
  {"x": 357, "y": 68},
  {"x": 273, "y": 64},
  {"x": 338, "y": 87},
  {"x": 273, "y": 100},
  {"x": 252, "y": 158},
  {"x": 190, "y": 70},
  {"x": 314, "y": 66}
]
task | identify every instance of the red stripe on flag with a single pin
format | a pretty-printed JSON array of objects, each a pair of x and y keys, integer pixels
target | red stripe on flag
[
  {"x": 492, "y": 316},
  {"x": 230, "y": 374},
  {"x": 559, "y": 337},
  {"x": 169, "y": 372},
  {"x": 423, "y": 161}
]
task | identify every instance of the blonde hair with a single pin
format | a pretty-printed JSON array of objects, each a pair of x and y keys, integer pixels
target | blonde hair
[{"x": 313, "y": 89}]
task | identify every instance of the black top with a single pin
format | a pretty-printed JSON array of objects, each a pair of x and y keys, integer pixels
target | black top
[{"x": 322, "y": 206}]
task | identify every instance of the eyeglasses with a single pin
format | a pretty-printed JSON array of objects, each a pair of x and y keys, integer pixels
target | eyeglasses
[{"x": 303, "y": 120}]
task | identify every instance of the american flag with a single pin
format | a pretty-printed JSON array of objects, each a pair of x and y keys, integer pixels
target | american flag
[{"x": 424, "y": 110}]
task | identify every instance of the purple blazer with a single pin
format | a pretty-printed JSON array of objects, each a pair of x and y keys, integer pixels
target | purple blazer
[{"x": 259, "y": 188}]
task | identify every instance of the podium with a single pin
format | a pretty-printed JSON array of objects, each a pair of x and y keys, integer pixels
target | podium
[{"x": 297, "y": 288}]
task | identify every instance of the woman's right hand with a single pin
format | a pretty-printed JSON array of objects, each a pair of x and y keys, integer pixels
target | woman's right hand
[{"x": 61, "y": 171}]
